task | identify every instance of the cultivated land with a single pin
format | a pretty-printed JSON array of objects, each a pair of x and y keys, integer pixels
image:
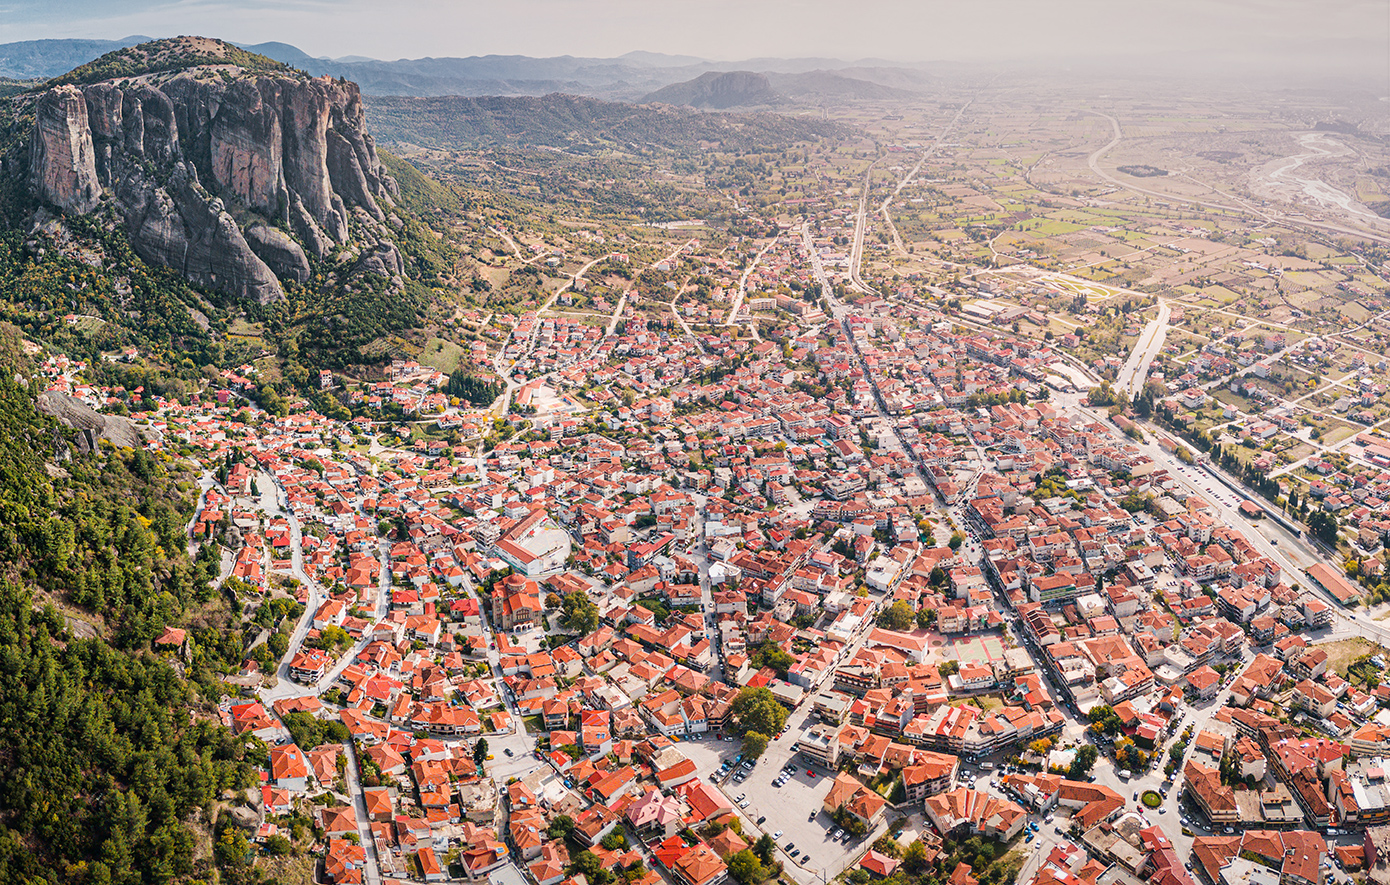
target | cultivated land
[{"x": 1021, "y": 422}]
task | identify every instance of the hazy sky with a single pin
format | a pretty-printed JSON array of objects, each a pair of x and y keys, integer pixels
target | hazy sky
[{"x": 1304, "y": 31}]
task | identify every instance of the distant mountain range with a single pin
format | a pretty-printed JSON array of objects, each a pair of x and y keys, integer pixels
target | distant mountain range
[
  {"x": 577, "y": 124},
  {"x": 631, "y": 77},
  {"x": 41, "y": 59}
]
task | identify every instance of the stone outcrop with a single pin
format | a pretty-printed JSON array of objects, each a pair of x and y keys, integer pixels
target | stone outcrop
[
  {"x": 62, "y": 166},
  {"x": 235, "y": 181},
  {"x": 279, "y": 251},
  {"x": 92, "y": 426}
]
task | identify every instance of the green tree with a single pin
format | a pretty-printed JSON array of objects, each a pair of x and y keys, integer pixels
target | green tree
[
  {"x": 1081, "y": 763},
  {"x": 765, "y": 849},
  {"x": 277, "y": 846},
  {"x": 754, "y": 744},
  {"x": 614, "y": 841},
  {"x": 915, "y": 858},
  {"x": 770, "y": 654},
  {"x": 480, "y": 753},
  {"x": 1105, "y": 719},
  {"x": 745, "y": 868},
  {"x": 957, "y": 539},
  {"x": 588, "y": 863},
  {"x": 898, "y": 616},
  {"x": 579, "y": 613},
  {"x": 757, "y": 710},
  {"x": 475, "y": 390},
  {"x": 561, "y": 826},
  {"x": 1323, "y": 526}
]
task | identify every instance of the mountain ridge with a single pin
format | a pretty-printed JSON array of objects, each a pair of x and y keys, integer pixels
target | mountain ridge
[{"x": 628, "y": 77}]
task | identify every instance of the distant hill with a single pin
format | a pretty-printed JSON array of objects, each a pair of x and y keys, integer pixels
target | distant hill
[
  {"x": 48, "y": 58},
  {"x": 577, "y": 124},
  {"x": 732, "y": 89},
  {"x": 281, "y": 52},
  {"x": 747, "y": 89},
  {"x": 817, "y": 85}
]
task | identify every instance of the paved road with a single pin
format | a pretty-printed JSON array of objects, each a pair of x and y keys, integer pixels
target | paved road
[
  {"x": 359, "y": 801},
  {"x": 861, "y": 218},
  {"x": 271, "y": 495},
  {"x": 743, "y": 283},
  {"x": 617, "y": 316},
  {"x": 907, "y": 179},
  {"x": 572, "y": 281},
  {"x": 1136, "y": 369}
]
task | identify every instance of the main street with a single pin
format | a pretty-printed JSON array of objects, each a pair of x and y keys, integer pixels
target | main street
[{"x": 861, "y": 223}]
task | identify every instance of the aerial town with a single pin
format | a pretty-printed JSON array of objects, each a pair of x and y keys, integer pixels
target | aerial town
[
  {"x": 893, "y": 587},
  {"x": 947, "y": 496}
]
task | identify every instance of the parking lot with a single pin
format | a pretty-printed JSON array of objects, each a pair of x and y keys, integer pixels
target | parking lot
[{"x": 786, "y": 808}]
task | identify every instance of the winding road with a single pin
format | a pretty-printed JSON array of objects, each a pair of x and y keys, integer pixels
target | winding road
[{"x": 1241, "y": 206}]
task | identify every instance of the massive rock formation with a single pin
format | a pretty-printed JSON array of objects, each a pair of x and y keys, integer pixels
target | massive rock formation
[
  {"x": 62, "y": 166},
  {"x": 234, "y": 179}
]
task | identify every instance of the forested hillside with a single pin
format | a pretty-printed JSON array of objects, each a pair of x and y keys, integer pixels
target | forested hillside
[
  {"x": 109, "y": 779},
  {"x": 581, "y": 125}
]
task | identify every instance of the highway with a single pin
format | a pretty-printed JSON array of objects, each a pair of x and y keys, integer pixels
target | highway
[
  {"x": 1136, "y": 368},
  {"x": 861, "y": 219}
]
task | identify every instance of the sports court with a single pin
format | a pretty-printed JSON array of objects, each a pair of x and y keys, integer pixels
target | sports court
[{"x": 982, "y": 649}]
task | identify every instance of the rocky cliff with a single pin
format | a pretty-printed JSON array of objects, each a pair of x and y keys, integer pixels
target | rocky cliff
[{"x": 232, "y": 169}]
